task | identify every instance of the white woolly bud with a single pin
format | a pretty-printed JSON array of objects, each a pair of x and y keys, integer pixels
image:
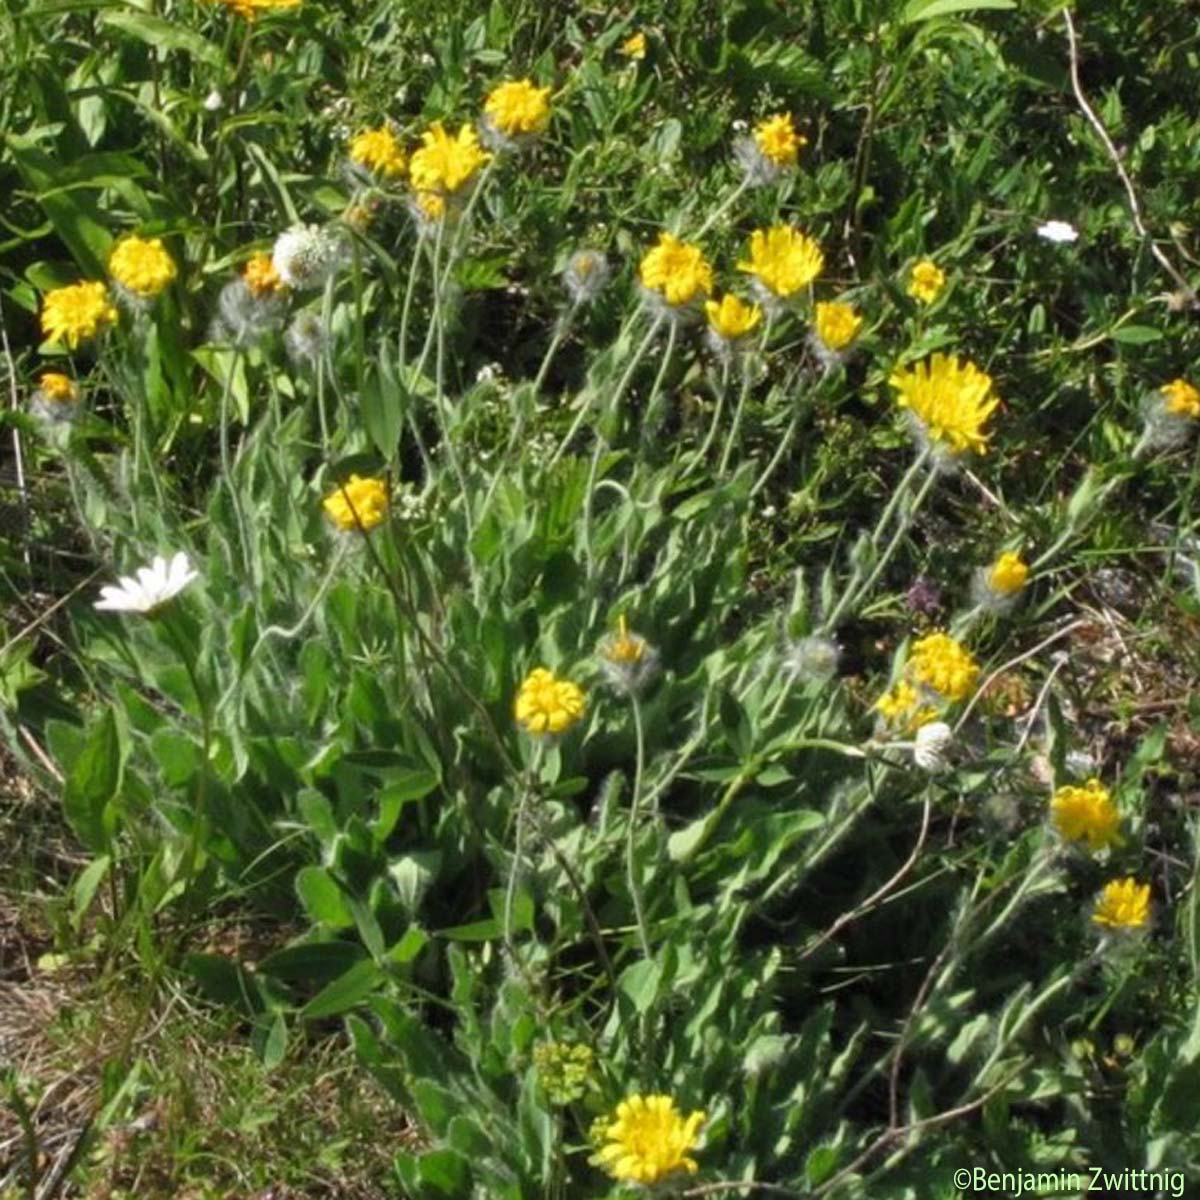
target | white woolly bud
[{"x": 932, "y": 743}]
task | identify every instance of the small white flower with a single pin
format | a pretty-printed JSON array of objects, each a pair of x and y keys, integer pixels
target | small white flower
[
  {"x": 154, "y": 586},
  {"x": 213, "y": 101},
  {"x": 932, "y": 742},
  {"x": 1058, "y": 231}
]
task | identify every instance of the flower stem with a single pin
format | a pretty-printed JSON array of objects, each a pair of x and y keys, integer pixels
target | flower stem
[{"x": 635, "y": 890}]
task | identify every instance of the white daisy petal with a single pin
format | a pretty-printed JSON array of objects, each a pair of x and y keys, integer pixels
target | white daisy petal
[{"x": 152, "y": 587}]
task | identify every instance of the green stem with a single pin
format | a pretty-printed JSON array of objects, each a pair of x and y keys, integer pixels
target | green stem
[
  {"x": 741, "y": 405},
  {"x": 723, "y": 207},
  {"x": 635, "y": 890},
  {"x": 702, "y": 453}
]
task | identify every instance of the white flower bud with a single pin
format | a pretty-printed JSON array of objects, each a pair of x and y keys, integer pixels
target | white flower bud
[{"x": 932, "y": 742}]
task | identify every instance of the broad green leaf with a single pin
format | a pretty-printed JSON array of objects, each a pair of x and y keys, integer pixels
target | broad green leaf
[
  {"x": 163, "y": 34},
  {"x": 93, "y": 782},
  {"x": 344, "y": 992},
  {"x": 925, "y": 10},
  {"x": 323, "y": 899}
]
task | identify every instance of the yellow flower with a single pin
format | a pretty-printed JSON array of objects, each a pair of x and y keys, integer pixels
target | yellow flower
[
  {"x": 444, "y": 164},
  {"x": 783, "y": 259},
  {"x": 777, "y": 140},
  {"x": 141, "y": 266},
  {"x": 678, "y": 271},
  {"x": 951, "y": 400},
  {"x": 837, "y": 325},
  {"x": 926, "y": 281},
  {"x": 260, "y": 275},
  {"x": 517, "y": 107},
  {"x": 377, "y": 150},
  {"x": 943, "y": 665},
  {"x": 251, "y": 9},
  {"x": 77, "y": 313},
  {"x": 634, "y": 46},
  {"x": 60, "y": 388},
  {"x": 1086, "y": 814},
  {"x": 648, "y": 1139},
  {"x": 546, "y": 704},
  {"x": 732, "y": 318},
  {"x": 625, "y": 647},
  {"x": 901, "y": 706},
  {"x": 1123, "y": 904},
  {"x": 1008, "y": 574},
  {"x": 366, "y": 499},
  {"x": 1182, "y": 400}
]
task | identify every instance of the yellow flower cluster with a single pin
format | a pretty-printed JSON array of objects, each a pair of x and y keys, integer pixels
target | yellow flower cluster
[
  {"x": 518, "y": 108},
  {"x": 625, "y": 648},
  {"x": 676, "y": 270},
  {"x": 546, "y": 704},
  {"x": 731, "y": 318},
  {"x": 1086, "y": 814},
  {"x": 648, "y": 1140},
  {"x": 836, "y": 325},
  {"x": 901, "y": 707},
  {"x": 261, "y": 277},
  {"x": 77, "y": 313},
  {"x": 634, "y": 46},
  {"x": 379, "y": 152},
  {"x": 783, "y": 260},
  {"x": 950, "y": 400},
  {"x": 1008, "y": 574},
  {"x": 358, "y": 503},
  {"x": 942, "y": 665},
  {"x": 141, "y": 266},
  {"x": 777, "y": 140},
  {"x": 445, "y": 164},
  {"x": 1124, "y": 904},
  {"x": 926, "y": 281},
  {"x": 60, "y": 388},
  {"x": 252, "y": 9},
  {"x": 1181, "y": 398}
]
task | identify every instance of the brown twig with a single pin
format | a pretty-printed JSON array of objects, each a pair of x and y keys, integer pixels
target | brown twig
[{"x": 1135, "y": 207}]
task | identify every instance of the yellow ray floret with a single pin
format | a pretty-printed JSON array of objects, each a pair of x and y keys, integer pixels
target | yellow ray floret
[
  {"x": 648, "y": 1139},
  {"x": 1007, "y": 575},
  {"x": 836, "y": 324},
  {"x": 446, "y": 163},
  {"x": 731, "y": 318},
  {"x": 952, "y": 400},
  {"x": 926, "y": 281},
  {"x": 677, "y": 270},
  {"x": 141, "y": 266},
  {"x": 783, "y": 259},
  {"x": 379, "y": 152},
  {"x": 1086, "y": 814},
  {"x": 1123, "y": 904},
  {"x": 777, "y": 140},
  {"x": 546, "y": 704},
  {"x": 364, "y": 499},
  {"x": 1181, "y": 398},
  {"x": 77, "y": 313},
  {"x": 518, "y": 107}
]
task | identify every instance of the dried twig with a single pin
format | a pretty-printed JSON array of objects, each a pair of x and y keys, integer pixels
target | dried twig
[{"x": 1135, "y": 207}]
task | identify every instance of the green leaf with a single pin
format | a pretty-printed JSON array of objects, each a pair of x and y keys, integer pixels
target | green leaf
[
  {"x": 323, "y": 899},
  {"x": 93, "y": 782},
  {"x": 164, "y": 35},
  {"x": 1136, "y": 335},
  {"x": 312, "y": 962},
  {"x": 349, "y": 989},
  {"x": 382, "y": 406},
  {"x": 225, "y": 982},
  {"x": 925, "y": 10}
]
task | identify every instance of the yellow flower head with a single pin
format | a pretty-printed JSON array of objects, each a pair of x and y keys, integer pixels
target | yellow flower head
[
  {"x": 901, "y": 707},
  {"x": 77, "y": 313},
  {"x": 731, "y": 318},
  {"x": 251, "y": 9},
  {"x": 444, "y": 164},
  {"x": 547, "y": 705},
  {"x": 366, "y": 499},
  {"x": 943, "y": 665},
  {"x": 837, "y": 325},
  {"x": 378, "y": 151},
  {"x": 783, "y": 259},
  {"x": 57, "y": 387},
  {"x": 141, "y": 266},
  {"x": 1182, "y": 399},
  {"x": 1123, "y": 904},
  {"x": 777, "y": 140},
  {"x": 634, "y": 46},
  {"x": 678, "y": 271},
  {"x": 648, "y": 1139},
  {"x": 951, "y": 400},
  {"x": 517, "y": 107},
  {"x": 260, "y": 275},
  {"x": 1008, "y": 574},
  {"x": 926, "y": 281},
  {"x": 625, "y": 647},
  {"x": 1086, "y": 814}
]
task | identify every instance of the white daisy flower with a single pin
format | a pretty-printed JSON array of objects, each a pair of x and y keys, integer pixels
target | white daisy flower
[
  {"x": 1058, "y": 231},
  {"x": 154, "y": 586}
]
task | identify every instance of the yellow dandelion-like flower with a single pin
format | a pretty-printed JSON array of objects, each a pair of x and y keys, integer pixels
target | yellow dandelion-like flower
[
  {"x": 252, "y": 9},
  {"x": 379, "y": 152},
  {"x": 1181, "y": 398},
  {"x": 261, "y": 277},
  {"x": 943, "y": 665},
  {"x": 60, "y": 388},
  {"x": 783, "y": 259},
  {"x": 731, "y": 318},
  {"x": 518, "y": 107},
  {"x": 1123, "y": 904},
  {"x": 77, "y": 313},
  {"x": 141, "y": 266},
  {"x": 634, "y": 46},
  {"x": 1086, "y": 814},
  {"x": 777, "y": 140},
  {"x": 546, "y": 704},
  {"x": 366, "y": 499},
  {"x": 901, "y": 707},
  {"x": 926, "y": 281},
  {"x": 836, "y": 325},
  {"x": 1007, "y": 575},
  {"x": 625, "y": 647},
  {"x": 444, "y": 163},
  {"x": 950, "y": 400},
  {"x": 648, "y": 1139},
  {"x": 678, "y": 271}
]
